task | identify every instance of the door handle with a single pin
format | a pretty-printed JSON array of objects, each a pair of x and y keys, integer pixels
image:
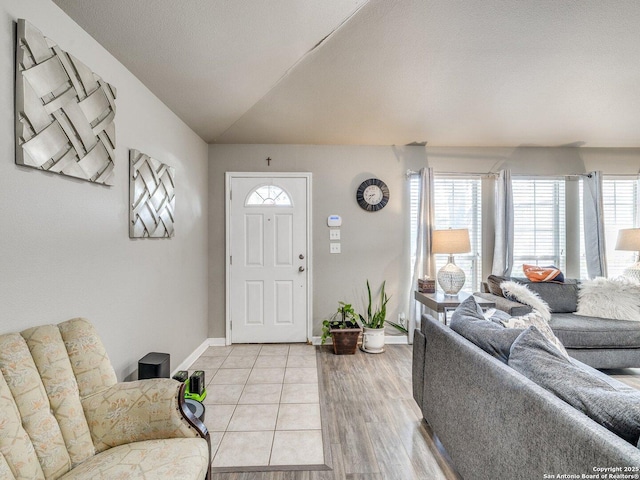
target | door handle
[
  {"x": 301, "y": 269},
  {"x": 301, "y": 257}
]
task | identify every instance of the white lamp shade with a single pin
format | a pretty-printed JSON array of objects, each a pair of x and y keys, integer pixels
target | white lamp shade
[
  {"x": 450, "y": 241},
  {"x": 628, "y": 239}
]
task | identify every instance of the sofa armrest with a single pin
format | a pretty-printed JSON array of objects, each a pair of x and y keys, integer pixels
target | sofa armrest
[
  {"x": 515, "y": 309},
  {"x": 136, "y": 411}
]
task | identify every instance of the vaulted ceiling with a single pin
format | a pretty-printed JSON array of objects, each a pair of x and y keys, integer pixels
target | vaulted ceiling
[{"x": 384, "y": 72}]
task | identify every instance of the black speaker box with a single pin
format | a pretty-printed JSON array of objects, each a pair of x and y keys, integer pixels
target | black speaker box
[
  {"x": 196, "y": 382},
  {"x": 154, "y": 365},
  {"x": 181, "y": 376}
]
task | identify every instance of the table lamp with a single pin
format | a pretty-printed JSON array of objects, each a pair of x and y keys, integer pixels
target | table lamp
[
  {"x": 629, "y": 240},
  {"x": 451, "y": 277}
]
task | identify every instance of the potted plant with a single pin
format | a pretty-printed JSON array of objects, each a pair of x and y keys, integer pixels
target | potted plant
[
  {"x": 373, "y": 323},
  {"x": 343, "y": 329}
]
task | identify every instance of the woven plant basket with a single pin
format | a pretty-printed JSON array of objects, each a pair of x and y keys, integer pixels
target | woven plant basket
[{"x": 345, "y": 340}]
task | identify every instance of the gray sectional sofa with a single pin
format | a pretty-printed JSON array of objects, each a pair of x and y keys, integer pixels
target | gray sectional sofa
[
  {"x": 598, "y": 342},
  {"x": 495, "y": 423}
]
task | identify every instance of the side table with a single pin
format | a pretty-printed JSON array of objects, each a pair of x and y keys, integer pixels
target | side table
[{"x": 441, "y": 304}]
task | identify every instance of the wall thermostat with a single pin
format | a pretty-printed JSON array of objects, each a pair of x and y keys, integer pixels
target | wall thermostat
[{"x": 334, "y": 220}]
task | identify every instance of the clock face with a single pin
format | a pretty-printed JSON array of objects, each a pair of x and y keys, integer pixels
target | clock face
[{"x": 372, "y": 195}]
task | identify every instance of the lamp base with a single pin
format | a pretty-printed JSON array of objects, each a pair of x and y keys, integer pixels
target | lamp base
[
  {"x": 633, "y": 272},
  {"x": 451, "y": 278}
]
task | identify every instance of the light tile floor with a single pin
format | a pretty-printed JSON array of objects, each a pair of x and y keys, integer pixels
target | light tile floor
[{"x": 262, "y": 405}]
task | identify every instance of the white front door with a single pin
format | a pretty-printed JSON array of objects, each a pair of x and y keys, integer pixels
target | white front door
[{"x": 268, "y": 258}]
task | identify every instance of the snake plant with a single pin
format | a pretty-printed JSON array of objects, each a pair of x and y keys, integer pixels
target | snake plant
[{"x": 376, "y": 315}]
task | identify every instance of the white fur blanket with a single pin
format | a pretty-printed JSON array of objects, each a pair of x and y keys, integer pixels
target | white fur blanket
[
  {"x": 617, "y": 298},
  {"x": 523, "y": 295},
  {"x": 539, "y": 317}
]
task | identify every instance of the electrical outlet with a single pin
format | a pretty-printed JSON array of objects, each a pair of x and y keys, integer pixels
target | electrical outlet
[
  {"x": 334, "y": 248},
  {"x": 334, "y": 234},
  {"x": 402, "y": 320}
]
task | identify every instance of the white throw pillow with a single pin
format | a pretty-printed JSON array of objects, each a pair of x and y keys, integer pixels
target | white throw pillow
[
  {"x": 617, "y": 298},
  {"x": 538, "y": 317}
]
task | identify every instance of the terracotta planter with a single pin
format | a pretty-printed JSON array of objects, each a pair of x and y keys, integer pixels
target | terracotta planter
[{"x": 345, "y": 340}]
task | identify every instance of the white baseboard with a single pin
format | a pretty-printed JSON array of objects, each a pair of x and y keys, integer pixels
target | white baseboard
[
  {"x": 209, "y": 342},
  {"x": 396, "y": 340},
  {"x": 388, "y": 340}
]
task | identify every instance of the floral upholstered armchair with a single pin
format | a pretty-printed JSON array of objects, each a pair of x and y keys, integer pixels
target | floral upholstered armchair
[{"x": 64, "y": 416}]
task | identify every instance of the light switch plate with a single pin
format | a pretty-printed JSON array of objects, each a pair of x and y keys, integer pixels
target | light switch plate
[
  {"x": 335, "y": 248},
  {"x": 334, "y": 234}
]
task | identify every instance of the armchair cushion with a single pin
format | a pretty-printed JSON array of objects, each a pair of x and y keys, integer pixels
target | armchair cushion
[
  {"x": 135, "y": 411},
  {"x": 50, "y": 356},
  {"x": 5, "y": 471},
  {"x": 15, "y": 445},
  {"x": 32, "y": 411},
  {"x": 183, "y": 458},
  {"x": 89, "y": 360}
]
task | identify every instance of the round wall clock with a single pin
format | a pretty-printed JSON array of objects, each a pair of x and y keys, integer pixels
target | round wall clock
[{"x": 372, "y": 195}]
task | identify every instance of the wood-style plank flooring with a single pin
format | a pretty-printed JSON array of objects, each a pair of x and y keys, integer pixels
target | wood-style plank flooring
[
  {"x": 372, "y": 427},
  {"x": 630, "y": 376}
]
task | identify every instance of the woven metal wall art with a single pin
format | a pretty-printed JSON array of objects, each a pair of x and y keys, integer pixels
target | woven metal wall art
[
  {"x": 64, "y": 111},
  {"x": 152, "y": 197}
]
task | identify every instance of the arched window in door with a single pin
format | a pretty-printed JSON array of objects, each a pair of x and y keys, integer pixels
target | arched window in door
[{"x": 268, "y": 196}]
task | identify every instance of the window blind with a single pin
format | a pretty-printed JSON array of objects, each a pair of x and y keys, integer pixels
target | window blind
[
  {"x": 539, "y": 223},
  {"x": 414, "y": 198},
  {"x": 620, "y": 198},
  {"x": 458, "y": 204},
  {"x": 621, "y": 202}
]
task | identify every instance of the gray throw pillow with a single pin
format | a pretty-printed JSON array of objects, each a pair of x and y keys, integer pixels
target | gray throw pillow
[
  {"x": 468, "y": 307},
  {"x": 537, "y": 359},
  {"x": 561, "y": 297},
  {"x": 497, "y": 316},
  {"x": 493, "y": 282},
  {"x": 468, "y": 320}
]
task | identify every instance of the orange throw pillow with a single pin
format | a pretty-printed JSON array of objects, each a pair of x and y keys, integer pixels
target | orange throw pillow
[{"x": 542, "y": 274}]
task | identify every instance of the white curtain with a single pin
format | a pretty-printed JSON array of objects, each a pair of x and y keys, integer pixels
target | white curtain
[
  {"x": 503, "y": 247},
  {"x": 594, "y": 241},
  {"x": 424, "y": 263}
]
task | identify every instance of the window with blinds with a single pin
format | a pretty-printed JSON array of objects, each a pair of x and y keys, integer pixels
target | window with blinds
[
  {"x": 621, "y": 199},
  {"x": 539, "y": 223},
  {"x": 414, "y": 195},
  {"x": 621, "y": 202},
  {"x": 457, "y": 204}
]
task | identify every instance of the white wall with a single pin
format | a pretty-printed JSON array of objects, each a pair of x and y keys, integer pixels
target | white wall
[
  {"x": 64, "y": 244},
  {"x": 375, "y": 246}
]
